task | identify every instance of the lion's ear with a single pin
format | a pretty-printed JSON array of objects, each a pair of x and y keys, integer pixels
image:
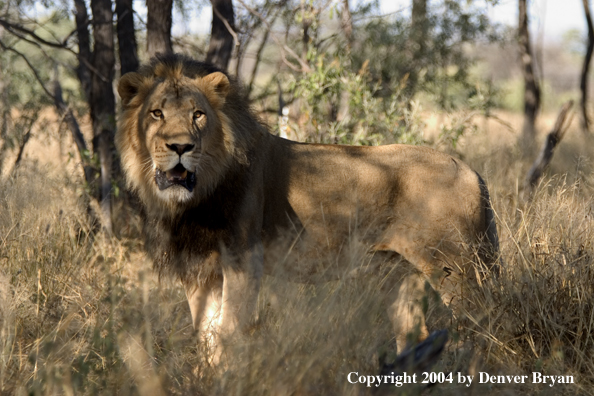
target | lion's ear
[
  {"x": 128, "y": 86},
  {"x": 219, "y": 82}
]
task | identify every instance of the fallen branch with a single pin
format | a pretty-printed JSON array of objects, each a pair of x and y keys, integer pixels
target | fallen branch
[
  {"x": 415, "y": 360},
  {"x": 423, "y": 356},
  {"x": 548, "y": 148}
]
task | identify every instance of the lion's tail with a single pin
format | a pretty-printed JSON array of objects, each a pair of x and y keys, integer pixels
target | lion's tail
[{"x": 490, "y": 248}]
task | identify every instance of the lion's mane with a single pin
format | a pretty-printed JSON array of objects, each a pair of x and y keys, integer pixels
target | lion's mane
[
  {"x": 170, "y": 237},
  {"x": 239, "y": 125}
]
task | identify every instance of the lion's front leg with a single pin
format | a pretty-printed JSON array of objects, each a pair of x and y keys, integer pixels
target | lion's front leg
[
  {"x": 241, "y": 285},
  {"x": 205, "y": 307},
  {"x": 205, "y": 303}
]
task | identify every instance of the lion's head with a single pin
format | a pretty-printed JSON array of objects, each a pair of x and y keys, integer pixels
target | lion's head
[{"x": 184, "y": 125}]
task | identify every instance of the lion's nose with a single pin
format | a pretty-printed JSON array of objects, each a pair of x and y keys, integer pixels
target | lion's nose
[{"x": 180, "y": 148}]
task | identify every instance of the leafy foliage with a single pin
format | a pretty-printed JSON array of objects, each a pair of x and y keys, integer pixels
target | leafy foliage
[
  {"x": 357, "y": 114},
  {"x": 440, "y": 64}
]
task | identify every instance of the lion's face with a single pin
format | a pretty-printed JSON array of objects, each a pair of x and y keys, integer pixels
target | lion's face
[
  {"x": 177, "y": 121},
  {"x": 172, "y": 136}
]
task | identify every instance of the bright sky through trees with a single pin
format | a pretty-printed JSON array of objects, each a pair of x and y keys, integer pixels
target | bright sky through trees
[{"x": 557, "y": 16}]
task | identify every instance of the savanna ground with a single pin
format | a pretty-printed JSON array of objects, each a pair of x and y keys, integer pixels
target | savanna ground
[{"x": 85, "y": 315}]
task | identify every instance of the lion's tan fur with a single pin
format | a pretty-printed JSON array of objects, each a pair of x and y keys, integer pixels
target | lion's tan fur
[{"x": 256, "y": 191}]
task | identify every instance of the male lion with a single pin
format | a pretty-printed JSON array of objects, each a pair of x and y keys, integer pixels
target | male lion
[{"x": 218, "y": 191}]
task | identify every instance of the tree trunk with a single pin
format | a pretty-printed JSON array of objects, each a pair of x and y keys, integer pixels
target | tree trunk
[
  {"x": 347, "y": 24},
  {"x": 586, "y": 68},
  {"x": 221, "y": 38},
  {"x": 306, "y": 22},
  {"x": 84, "y": 47},
  {"x": 158, "y": 25},
  {"x": 416, "y": 43},
  {"x": 126, "y": 37},
  {"x": 418, "y": 28},
  {"x": 102, "y": 102},
  {"x": 531, "y": 84}
]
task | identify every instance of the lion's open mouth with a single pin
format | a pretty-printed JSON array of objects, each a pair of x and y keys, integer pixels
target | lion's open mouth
[{"x": 177, "y": 176}]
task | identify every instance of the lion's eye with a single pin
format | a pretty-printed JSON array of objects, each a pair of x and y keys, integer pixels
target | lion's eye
[
  {"x": 157, "y": 114},
  {"x": 198, "y": 114}
]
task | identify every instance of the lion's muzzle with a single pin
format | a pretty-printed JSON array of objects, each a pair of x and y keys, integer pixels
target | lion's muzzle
[{"x": 177, "y": 176}]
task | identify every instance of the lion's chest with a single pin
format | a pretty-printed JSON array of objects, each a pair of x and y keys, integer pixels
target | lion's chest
[{"x": 179, "y": 246}]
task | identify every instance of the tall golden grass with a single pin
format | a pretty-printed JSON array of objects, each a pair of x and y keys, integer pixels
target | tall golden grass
[{"x": 85, "y": 315}]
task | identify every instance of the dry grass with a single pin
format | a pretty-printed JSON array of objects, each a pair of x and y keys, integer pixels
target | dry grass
[{"x": 80, "y": 315}]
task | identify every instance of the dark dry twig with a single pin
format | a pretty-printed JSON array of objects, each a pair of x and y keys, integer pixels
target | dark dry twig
[{"x": 548, "y": 148}]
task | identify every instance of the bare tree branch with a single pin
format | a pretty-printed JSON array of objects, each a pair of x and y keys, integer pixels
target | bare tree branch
[
  {"x": 347, "y": 24},
  {"x": 53, "y": 45},
  {"x": 50, "y": 58},
  {"x": 72, "y": 34},
  {"x": 283, "y": 47},
  {"x": 231, "y": 31},
  {"x": 62, "y": 110},
  {"x": 26, "y": 138},
  {"x": 37, "y": 77},
  {"x": 365, "y": 17},
  {"x": 11, "y": 27},
  {"x": 259, "y": 55},
  {"x": 548, "y": 149},
  {"x": 90, "y": 173}
]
